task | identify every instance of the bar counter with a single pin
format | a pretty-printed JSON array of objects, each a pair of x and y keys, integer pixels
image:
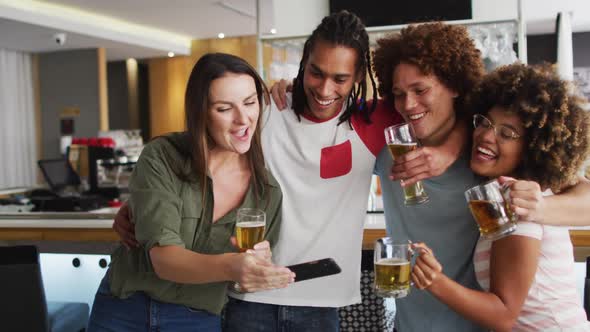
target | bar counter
[
  {"x": 96, "y": 226},
  {"x": 92, "y": 226}
]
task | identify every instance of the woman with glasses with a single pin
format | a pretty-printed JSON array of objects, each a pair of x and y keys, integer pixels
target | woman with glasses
[{"x": 530, "y": 127}]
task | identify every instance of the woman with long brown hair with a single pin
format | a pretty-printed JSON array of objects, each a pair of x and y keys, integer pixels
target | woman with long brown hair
[{"x": 185, "y": 191}]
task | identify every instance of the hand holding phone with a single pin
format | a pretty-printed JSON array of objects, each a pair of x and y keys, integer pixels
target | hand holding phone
[{"x": 315, "y": 269}]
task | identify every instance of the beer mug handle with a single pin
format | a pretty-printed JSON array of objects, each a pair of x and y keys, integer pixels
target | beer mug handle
[
  {"x": 412, "y": 253},
  {"x": 505, "y": 191}
]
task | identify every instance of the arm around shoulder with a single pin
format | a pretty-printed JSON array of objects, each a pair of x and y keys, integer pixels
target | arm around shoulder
[{"x": 570, "y": 207}]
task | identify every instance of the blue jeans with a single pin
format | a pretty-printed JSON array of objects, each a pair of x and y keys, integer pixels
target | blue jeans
[
  {"x": 242, "y": 316},
  {"x": 139, "y": 312}
]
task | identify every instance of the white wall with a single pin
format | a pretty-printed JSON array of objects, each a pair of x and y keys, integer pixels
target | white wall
[
  {"x": 540, "y": 15},
  {"x": 494, "y": 10},
  {"x": 296, "y": 18}
]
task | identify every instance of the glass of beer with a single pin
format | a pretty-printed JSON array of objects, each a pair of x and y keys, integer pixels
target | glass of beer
[
  {"x": 250, "y": 225},
  {"x": 490, "y": 205},
  {"x": 400, "y": 140},
  {"x": 392, "y": 268}
]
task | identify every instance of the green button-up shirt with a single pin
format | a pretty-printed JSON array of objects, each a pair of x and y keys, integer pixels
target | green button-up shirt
[{"x": 168, "y": 210}]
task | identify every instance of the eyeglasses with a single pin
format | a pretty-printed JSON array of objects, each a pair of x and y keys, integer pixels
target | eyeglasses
[{"x": 506, "y": 133}]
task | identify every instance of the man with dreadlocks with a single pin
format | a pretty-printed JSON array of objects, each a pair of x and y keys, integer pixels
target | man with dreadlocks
[{"x": 322, "y": 152}]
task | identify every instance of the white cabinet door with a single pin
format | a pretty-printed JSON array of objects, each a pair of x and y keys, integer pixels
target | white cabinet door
[{"x": 66, "y": 283}]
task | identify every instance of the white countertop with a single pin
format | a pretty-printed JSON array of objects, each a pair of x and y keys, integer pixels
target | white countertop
[{"x": 103, "y": 218}]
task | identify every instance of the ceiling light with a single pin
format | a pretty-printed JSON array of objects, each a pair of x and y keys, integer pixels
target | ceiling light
[
  {"x": 170, "y": 54},
  {"x": 273, "y": 31},
  {"x": 221, "y": 35}
]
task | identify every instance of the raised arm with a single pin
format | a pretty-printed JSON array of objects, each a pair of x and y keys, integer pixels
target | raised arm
[
  {"x": 429, "y": 161},
  {"x": 513, "y": 264},
  {"x": 278, "y": 92},
  {"x": 157, "y": 207},
  {"x": 569, "y": 208}
]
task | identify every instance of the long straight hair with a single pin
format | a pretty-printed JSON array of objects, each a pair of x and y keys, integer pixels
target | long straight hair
[{"x": 209, "y": 68}]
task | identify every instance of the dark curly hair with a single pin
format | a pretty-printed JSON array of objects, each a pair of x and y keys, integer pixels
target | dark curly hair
[
  {"x": 340, "y": 29},
  {"x": 445, "y": 51},
  {"x": 556, "y": 125}
]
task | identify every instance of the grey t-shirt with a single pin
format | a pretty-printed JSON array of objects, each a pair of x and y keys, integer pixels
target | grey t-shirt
[{"x": 445, "y": 225}]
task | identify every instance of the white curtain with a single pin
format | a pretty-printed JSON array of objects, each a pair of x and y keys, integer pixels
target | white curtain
[{"x": 17, "y": 121}]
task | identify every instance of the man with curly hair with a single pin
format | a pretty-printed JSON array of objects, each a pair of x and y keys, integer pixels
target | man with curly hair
[
  {"x": 427, "y": 72},
  {"x": 531, "y": 127},
  {"x": 322, "y": 152}
]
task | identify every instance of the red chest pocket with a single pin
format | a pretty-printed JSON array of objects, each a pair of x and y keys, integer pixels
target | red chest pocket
[{"x": 336, "y": 160}]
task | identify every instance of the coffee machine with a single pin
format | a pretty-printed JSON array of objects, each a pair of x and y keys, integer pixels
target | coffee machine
[{"x": 104, "y": 164}]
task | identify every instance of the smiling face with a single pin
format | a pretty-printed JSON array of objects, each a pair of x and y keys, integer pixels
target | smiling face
[
  {"x": 495, "y": 152},
  {"x": 424, "y": 102},
  {"x": 330, "y": 74},
  {"x": 233, "y": 112}
]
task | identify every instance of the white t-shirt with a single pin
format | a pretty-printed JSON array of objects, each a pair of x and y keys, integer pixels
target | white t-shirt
[{"x": 324, "y": 169}]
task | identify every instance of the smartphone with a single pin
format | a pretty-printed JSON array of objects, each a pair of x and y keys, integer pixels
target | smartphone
[{"x": 315, "y": 269}]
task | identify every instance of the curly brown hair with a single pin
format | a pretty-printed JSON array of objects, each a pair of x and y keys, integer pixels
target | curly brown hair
[
  {"x": 556, "y": 125},
  {"x": 443, "y": 50}
]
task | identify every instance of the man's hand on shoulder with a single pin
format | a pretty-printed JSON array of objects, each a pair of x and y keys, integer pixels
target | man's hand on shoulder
[{"x": 279, "y": 91}]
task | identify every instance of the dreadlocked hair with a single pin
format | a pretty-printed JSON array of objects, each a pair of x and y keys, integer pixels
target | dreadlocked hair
[
  {"x": 557, "y": 127},
  {"x": 340, "y": 29}
]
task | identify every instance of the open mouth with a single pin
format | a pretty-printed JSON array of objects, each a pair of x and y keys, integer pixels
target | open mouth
[
  {"x": 417, "y": 116},
  {"x": 485, "y": 154},
  {"x": 324, "y": 102},
  {"x": 242, "y": 134}
]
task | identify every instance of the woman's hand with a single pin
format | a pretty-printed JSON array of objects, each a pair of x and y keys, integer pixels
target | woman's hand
[
  {"x": 422, "y": 163},
  {"x": 124, "y": 227},
  {"x": 254, "y": 273},
  {"x": 427, "y": 270},
  {"x": 278, "y": 91},
  {"x": 261, "y": 249},
  {"x": 527, "y": 198}
]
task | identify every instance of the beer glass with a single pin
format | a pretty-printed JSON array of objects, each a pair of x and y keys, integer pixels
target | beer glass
[
  {"x": 250, "y": 225},
  {"x": 392, "y": 268},
  {"x": 490, "y": 205},
  {"x": 400, "y": 140}
]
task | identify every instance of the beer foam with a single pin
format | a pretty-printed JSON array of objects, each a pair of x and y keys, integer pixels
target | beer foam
[
  {"x": 392, "y": 261},
  {"x": 250, "y": 224}
]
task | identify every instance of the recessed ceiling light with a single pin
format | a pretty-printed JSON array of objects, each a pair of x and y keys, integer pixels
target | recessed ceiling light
[
  {"x": 273, "y": 31},
  {"x": 221, "y": 35},
  {"x": 170, "y": 54}
]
